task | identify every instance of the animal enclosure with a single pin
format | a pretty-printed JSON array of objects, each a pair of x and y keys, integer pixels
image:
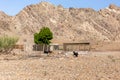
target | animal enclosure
[
  {"x": 50, "y": 47},
  {"x": 19, "y": 47},
  {"x": 76, "y": 46}
]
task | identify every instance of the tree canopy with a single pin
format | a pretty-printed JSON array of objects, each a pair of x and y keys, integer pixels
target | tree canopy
[{"x": 44, "y": 36}]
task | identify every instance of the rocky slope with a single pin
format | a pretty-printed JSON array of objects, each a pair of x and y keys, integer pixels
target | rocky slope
[{"x": 68, "y": 25}]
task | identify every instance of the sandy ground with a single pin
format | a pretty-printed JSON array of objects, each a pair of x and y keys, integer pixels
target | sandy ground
[{"x": 91, "y": 66}]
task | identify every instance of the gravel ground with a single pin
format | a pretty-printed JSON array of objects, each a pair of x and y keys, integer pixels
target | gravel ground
[{"x": 92, "y": 66}]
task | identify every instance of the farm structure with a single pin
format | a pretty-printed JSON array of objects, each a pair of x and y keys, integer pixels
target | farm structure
[
  {"x": 18, "y": 47},
  {"x": 51, "y": 47},
  {"x": 83, "y": 46}
]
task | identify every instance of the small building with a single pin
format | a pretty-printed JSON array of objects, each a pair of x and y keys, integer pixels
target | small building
[{"x": 83, "y": 46}]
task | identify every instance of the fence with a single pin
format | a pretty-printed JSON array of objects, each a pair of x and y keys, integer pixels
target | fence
[{"x": 76, "y": 46}]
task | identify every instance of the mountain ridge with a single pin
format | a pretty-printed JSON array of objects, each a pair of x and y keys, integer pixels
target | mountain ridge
[{"x": 67, "y": 24}]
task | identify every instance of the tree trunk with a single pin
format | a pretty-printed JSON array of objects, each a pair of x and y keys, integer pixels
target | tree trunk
[{"x": 43, "y": 48}]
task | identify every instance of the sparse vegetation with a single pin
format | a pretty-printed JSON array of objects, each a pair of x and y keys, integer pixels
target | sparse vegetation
[{"x": 7, "y": 43}]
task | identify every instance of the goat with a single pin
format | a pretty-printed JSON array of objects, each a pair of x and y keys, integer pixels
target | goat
[
  {"x": 75, "y": 53},
  {"x": 47, "y": 51}
]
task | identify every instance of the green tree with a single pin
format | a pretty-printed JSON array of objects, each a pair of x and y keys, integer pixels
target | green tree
[{"x": 43, "y": 37}]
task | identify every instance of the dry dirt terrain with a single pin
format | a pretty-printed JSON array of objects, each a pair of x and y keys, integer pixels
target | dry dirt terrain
[{"x": 91, "y": 66}]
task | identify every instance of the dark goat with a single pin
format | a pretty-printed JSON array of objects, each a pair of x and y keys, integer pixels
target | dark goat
[
  {"x": 75, "y": 53},
  {"x": 45, "y": 51}
]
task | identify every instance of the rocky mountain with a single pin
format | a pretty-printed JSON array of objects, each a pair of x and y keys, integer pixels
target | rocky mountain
[{"x": 67, "y": 24}]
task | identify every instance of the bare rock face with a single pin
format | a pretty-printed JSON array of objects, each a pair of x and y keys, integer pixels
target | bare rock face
[
  {"x": 112, "y": 6},
  {"x": 4, "y": 23},
  {"x": 68, "y": 25}
]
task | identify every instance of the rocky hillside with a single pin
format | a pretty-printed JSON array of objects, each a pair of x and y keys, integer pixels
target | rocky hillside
[{"x": 67, "y": 24}]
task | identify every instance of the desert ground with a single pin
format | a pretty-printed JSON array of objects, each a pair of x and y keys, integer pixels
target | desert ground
[{"x": 90, "y": 66}]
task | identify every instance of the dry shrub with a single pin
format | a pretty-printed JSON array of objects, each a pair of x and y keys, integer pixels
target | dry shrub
[{"x": 7, "y": 43}]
